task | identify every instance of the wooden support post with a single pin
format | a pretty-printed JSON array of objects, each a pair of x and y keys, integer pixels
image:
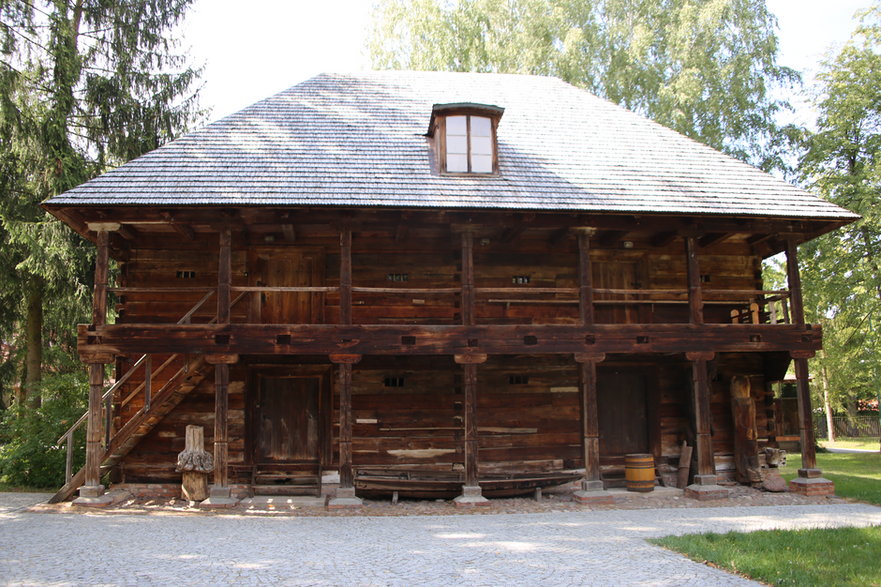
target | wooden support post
[
  {"x": 471, "y": 492},
  {"x": 793, "y": 278},
  {"x": 345, "y": 495},
  {"x": 695, "y": 294},
  {"x": 220, "y": 495},
  {"x": 467, "y": 278},
  {"x": 592, "y": 490},
  {"x": 224, "y": 276},
  {"x": 585, "y": 278},
  {"x": 92, "y": 492},
  {"x": 705, "y": 484},
  {"x": 346, "y": 275}
]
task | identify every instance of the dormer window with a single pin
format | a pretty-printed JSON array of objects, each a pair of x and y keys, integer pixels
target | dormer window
[{"x": 465, "y": 138}]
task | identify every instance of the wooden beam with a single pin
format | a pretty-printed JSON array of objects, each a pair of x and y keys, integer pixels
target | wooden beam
[
  {"x": 94, "y": 432},
  {"x": 346, "y": 275},
  {"x": 662, "y": 239},
  {"x": 713, "y": 238},
  {"x": 402, "y": 339},
  {"x": 224, "y": 276},
  {"x": 129, "y": 233},
  {"x": 221, "y": 425},
  {"x": 805, "y": 415},
  {"x": 590, "y": 426},
  {"x": 585, "y": 280},
  {"x": 469, "y": 385},
  {"x": 706, "y": 465},
  {"x": 468, "y": 299},
  {"x": 182, "y": 229},
  {"x": 796, "y": 305},
  {"x": 695, "y": 294},
  {"x": 99, "y": 299},
  {"x": 347, "y": 479}
]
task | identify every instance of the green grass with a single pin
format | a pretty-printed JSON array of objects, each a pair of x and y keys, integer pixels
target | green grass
[
  {"x": 859, "y": 443},
  {"x": 6, "y": 488},
  {"x": 842, "y": 556},
  {"x": 856, "y": 475}
]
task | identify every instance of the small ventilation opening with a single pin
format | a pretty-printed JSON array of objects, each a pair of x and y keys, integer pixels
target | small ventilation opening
[
  {"x": 393, "y": 381},
  {"x": 518, "y": 379},
  {"x": 399, "y": 277},
  {"x": 186, "y": 274}
]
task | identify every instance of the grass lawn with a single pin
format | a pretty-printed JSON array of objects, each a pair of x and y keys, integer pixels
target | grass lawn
[
  {"x": 856, "y": 475},
  {"x": 859, "y": 443},
  {"x": 842, "y": 556}
]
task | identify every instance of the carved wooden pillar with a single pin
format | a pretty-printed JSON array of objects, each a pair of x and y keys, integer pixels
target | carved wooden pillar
[
  {"x": 695, "y": 294},
  {"x": 585, "y": 277},
  {"x": 705, "y": 482},
  {"x": 592, "y": 484},
  {"x": 221, "y": 426},
  {"x": 467, "y": 278},
  {"x": 805, "y": 414},
  {"x": 345, "y": 275},
  {"x": 345, "y": 495},
  {"x": 471, "y": 492},
  {"x": 92, "y": 492},
  {"x": 793, "y": 277}
]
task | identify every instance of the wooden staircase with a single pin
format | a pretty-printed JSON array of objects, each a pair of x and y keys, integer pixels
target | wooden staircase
[{"x": 176, "y": 387}]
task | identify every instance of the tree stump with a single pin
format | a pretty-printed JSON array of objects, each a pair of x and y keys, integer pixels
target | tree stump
[{"x": 195, "y": 463}]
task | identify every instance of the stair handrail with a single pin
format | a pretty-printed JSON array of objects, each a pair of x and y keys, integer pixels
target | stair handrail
[{"x": 66, "y": 439}]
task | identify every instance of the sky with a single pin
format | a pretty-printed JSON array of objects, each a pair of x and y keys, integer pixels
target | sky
[{"x": 250, "y": 54}]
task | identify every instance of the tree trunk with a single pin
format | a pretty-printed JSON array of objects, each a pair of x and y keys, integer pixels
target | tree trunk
[
  {"x": 30, "y": 395},
  {"x": 827, "y": 406}
]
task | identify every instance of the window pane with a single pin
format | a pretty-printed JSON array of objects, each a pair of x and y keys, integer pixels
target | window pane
[
  {"x": 481, "y": 163},
  {"x": 456, "y": 144},
  {"x": 456, "y": 125},
  {"x": 481, "y": 126},
  {"x": 457, "y": 163},
  {"x": 481, "y": 145}
]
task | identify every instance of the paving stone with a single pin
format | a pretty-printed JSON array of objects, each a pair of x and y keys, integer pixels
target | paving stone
[{"x": 577, "y": 547}]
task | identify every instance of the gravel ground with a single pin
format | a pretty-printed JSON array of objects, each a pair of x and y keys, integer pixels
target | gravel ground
[{"x": 547, "y": 543}]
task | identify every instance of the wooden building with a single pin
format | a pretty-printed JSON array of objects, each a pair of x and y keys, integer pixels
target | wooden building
[{"x": 433, "y": 280}]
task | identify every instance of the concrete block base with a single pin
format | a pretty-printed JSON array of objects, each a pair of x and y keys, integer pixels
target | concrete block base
[
  {"x": 344, "y": 498},
  {"x": 705, "y": 488},
  {"x": 219, "y": 498},
  {"x": 593, "y": 497},
  {"x": 812, "y": 486},
  {"x": 93, "y": 496},
  {"x": 472, "y": 496}
]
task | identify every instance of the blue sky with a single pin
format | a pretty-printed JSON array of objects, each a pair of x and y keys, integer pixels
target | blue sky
[{"x": 270, "y": 45}]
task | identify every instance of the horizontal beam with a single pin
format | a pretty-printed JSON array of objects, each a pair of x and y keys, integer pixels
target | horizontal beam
[{"x": 325, "y": 339}]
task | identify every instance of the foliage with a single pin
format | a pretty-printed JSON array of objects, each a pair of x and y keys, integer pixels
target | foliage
[
  {"x": 842, "y": 269},
  {"x": 705, "y": 68},
  {"x": 856, "y": 475},
  {"x": 85, "y": 85},
  {"x": 28, "y": 454},
  {"x": 817, "y": 556}
]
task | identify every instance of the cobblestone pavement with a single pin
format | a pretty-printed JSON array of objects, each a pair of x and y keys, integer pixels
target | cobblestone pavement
[{"x": 551, "y": 548}]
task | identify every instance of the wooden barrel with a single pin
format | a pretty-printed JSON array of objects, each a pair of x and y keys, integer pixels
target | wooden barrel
[{"x": 639, "y": 470}]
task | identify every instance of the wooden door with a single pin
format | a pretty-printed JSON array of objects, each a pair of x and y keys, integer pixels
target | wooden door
[
  {"x": 289, "y": 268},
  {"x": 287, "y": 419},
  {"x": 622, "y": 402}
]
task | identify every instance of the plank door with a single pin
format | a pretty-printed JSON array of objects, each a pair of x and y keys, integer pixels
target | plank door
[
  {"x": 622, "y": 402},
  {"x": 289, "y": 268},
  {"x": 287, "y": 419}
]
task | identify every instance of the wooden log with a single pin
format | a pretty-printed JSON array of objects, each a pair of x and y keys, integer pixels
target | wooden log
[
  {"x": 470, "y": 424},
  {"x": 585, "y": 279},
  {"x": 805, "y": 420},
  {"x": 224, "y": 276},
  {"x": 746, "y": 446},
  {"x": 702, "y": 415},
  {"x": 346, "y": 275},
  {"x": 345, "y": 449},
  {"x": 695, "y": 295},
  {"x": 684, "y": 465},
  {"x": 221, "y": 424},
  {"x": 194, "y": 462}
]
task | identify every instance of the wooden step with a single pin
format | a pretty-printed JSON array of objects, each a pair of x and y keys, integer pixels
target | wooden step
[{"x": 287, "y": 489}]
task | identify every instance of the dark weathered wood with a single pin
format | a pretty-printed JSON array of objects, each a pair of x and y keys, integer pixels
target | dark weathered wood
[
  {"x": 794, "y": 279},
  {"x": 590, "y": 420},
  {"x": 469, "y": 387},
  {"x": 701, "y": 409},
  {"x": 746, "y": 446},
  {"x": 99, "y": 301},
  {"x": 585, "y": 279},
  {"x": 324, "y": 339},
  {"x": 224, "y": 276},
  {"x": 94, "y": 450},
  {"x": 695, "y": 295},
  {"x": 805, "y": 420},
  {"x": 346, "y": 276},
  {"x": 221, "y": 425},
  {"x": 467, "y": 278},
  {"x": 345, "y": 390}
]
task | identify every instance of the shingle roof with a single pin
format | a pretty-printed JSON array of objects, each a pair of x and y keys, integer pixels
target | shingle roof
[{"x": 359, "y": 140}]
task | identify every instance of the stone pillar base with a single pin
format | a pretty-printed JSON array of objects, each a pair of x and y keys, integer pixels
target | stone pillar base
[
  {"x": 93, "y": 496},
  {"x": 705, "y": 488},
  {"x": 344, "y": 498},
  {"x": 811, "y": 483},
  {"x": 471, "y": 496},
  {"x": 219, "y": 498},
  {"x": 593, "y": 492}
]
